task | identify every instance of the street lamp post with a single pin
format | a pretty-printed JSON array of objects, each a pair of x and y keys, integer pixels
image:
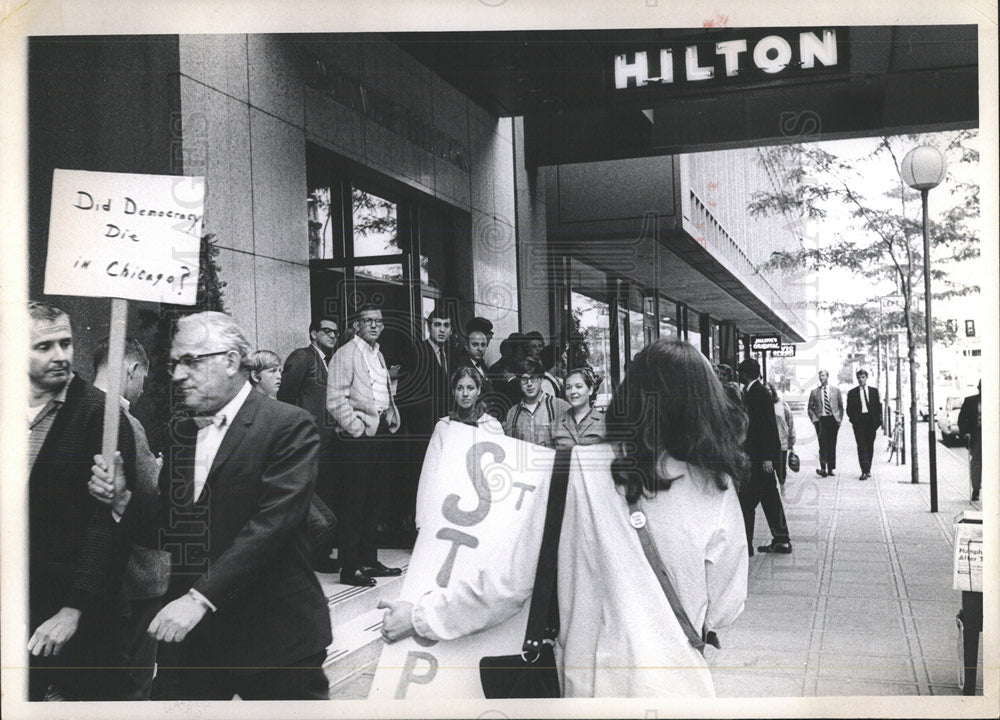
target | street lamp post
[{"x": 923, "y": 168}]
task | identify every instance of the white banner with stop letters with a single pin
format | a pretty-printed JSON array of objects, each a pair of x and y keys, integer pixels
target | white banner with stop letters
[{"x": 481, "y": 512}]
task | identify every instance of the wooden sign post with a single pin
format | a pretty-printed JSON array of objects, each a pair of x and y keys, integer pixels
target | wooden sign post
[{"x": 125, "y": 237}]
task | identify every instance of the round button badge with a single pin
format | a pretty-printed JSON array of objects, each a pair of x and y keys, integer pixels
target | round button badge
[{"x": 637, "y": 519}]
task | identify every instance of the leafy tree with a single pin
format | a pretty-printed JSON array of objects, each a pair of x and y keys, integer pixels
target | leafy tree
[{"x": 882, "y": 240}]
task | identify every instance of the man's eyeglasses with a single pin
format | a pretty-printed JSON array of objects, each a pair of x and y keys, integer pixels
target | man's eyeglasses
[
  {"x": 190, "y": 361},
  {"x": 330, "y": 331},
  {"x": 371, "y": 322}
]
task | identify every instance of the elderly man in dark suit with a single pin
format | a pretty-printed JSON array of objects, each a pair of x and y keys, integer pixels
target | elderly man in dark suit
[
  {"x": 864, "y": 410},
  {"x": 77, "y": 556},
  {"x": 763, "y": 447},
  {"x": 246, "y": 614},
  {"x": 303, "y": 383}
]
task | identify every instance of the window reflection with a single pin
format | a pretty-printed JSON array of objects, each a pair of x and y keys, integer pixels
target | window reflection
[
  {"x": 320, "y": 225},
  {"x": 376, "y": 227}
]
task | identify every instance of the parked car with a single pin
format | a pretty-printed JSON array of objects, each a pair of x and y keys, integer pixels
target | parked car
[{"x": 947, "y": 420}]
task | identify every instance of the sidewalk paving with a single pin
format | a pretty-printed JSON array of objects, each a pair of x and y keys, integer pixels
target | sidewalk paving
[{"x": 863, "y": 605}]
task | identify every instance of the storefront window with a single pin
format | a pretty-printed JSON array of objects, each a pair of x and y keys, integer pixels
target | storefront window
[
  {"x": 636, "y": 337},
  {"x": 375, "y": 240},
  {"x": 694, "y": 337},
  {"x": 321, "y": 224},
  {"x": 668, "y": 319},
  {"x": 393, "y": 272},
  {"x": 593, "y": 346},
  {"x": 375, "y": 225}
]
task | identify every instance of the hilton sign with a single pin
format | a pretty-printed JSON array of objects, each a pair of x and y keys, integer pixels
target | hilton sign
[{"x": 750, "y": 56}]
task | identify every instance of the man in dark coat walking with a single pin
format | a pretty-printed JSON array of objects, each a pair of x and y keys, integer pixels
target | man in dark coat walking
[
  {"x": 864, "y": 410},
  {"x": 763, "y": 447}
]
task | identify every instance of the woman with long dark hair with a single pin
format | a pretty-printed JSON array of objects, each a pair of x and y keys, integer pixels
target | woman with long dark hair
[
  {"x": 466, "y": 387},
  {"x": 669, "y": 472}
]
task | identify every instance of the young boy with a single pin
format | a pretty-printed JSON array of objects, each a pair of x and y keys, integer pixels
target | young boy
[{"x": 533, "y": 418}]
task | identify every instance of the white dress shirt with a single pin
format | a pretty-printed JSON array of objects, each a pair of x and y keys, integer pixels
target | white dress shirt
[
  {"x": 210, "y": 438},
  {"x": 377, "y": 373}
]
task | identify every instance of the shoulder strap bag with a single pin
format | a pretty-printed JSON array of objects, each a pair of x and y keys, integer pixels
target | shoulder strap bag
[
  {"x": 698, "y": 640},
  {"x": 533, "y": 673}
]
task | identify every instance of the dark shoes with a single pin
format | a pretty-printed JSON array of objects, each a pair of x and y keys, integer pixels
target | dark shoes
[
  {"x": 821, "y": 473},
  {"x": 782, "y": 548},
  {"x": 326, "y": 565},
  {"x": 358, "y": 578},
  {"x": 975, "y": 496},
  {"x": 380, "y": 570},
  {"x": 866, "y": 476}
]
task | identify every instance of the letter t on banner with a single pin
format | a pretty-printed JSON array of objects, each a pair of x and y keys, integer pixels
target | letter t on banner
[{"x": 125, "y": 237}]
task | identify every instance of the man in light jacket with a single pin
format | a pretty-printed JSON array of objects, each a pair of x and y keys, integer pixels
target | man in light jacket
[
  {"x": 359, "y": 399},
  {"x": 826, "y": 410}
]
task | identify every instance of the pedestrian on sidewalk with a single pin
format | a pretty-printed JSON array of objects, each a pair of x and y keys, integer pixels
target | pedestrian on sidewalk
[
  {"x": 763, "y": 447},
  {"x": 826, "y": 411},
  {"x": 970, "y": 424},
  {"x": 786, "y": 431},
  {"x": 864, "y": 409}
]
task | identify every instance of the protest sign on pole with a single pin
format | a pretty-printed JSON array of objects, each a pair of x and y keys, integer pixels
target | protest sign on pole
[
  {"x": 482, "y": 512},
  {"x": 126, "y": 237}
]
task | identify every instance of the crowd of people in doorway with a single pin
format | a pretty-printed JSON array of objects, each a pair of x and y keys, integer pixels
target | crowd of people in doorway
[{"x": 201, "y": 558}]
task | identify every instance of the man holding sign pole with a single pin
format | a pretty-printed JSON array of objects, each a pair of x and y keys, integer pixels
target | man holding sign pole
[{"x": 78, "y": 610}]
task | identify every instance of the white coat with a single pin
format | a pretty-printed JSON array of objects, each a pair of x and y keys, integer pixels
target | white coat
[{"x": 619, "y": 636}]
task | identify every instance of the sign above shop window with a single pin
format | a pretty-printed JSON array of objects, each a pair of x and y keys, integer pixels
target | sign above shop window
[
  {"x": 731, "y": 56},
  {"x": 765, "y": 342},
  {"x": 786, "y": 350}
]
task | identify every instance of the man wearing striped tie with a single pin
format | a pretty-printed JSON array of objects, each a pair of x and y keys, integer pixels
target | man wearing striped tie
[{"x": 826, "y": 410}]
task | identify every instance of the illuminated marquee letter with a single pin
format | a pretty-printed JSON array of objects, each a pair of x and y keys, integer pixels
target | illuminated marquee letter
[
  {"x": 691, "y": 68},
  {"x": 812, "y": 49},
  {"x": 731, "y": 49},
  {"x": 666, "y": 66},
  {"x": 780, "y": 61},
  {"x": 638, "y": 70}
]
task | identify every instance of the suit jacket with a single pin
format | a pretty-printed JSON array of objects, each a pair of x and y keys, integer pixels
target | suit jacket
[
  {"x": 424, "y": 393},
  {"x": 463, "y": 358},
  {"x": 815, "y": 405},
  {"x": 762, "y": 442},
  {"x": 349, "y": 397},
  {"x": 303, "y": 383},
  {"x": 243, "y": 544},
  {"x": 854, "y": 406},
  {"x": 969, "y": 417},
  {"x": 148, "y": 570},
  {"x": 77, "y": 554}
]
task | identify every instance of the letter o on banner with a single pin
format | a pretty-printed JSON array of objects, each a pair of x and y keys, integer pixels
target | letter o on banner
[{"x": 762, "y": 49}]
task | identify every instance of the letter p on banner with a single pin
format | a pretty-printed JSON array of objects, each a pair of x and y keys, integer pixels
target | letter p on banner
[{"x": 122, "y": 235}]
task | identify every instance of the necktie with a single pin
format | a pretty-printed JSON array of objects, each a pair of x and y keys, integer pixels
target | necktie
[
  {"x": 827, "y": 410},
  {"x": 864, "y": 399}
]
